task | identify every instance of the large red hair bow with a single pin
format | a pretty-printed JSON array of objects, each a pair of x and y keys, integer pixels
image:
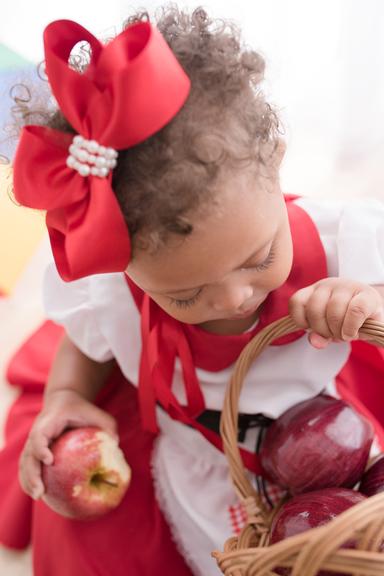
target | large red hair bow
[{"x": 131, "y": 88}]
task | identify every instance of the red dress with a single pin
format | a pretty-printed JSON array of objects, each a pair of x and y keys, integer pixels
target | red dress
[{"x": 135, "y": 538}]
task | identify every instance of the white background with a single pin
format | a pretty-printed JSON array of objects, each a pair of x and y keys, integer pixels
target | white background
[{"x": 325, "y": 73}]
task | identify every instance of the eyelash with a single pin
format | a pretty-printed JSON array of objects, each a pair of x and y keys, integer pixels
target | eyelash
[
  {"x": 260, "y": 267},
  {"x": 186, "y": 303},
  {"x": 268, "y": 261}
]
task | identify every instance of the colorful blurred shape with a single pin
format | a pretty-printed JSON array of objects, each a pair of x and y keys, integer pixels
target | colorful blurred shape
[{"x": 21, "y": 229}]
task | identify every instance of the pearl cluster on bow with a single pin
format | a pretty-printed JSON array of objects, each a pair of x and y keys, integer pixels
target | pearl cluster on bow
[{"x": 88, "y": 157}]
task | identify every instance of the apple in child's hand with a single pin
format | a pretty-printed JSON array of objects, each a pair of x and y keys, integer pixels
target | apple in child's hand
[
  {"x": 310, "y": 510},
  {"x": 372, "y": 481},
  {"x": 89, "y": 475},
  {"x": 318, "y": 443}
]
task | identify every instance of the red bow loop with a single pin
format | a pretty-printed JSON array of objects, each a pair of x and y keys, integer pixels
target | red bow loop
[
  {"x": 131, "y": 88},
  {"x": 76, "y": 238},
  {"x": 40, "y": 146},
  {"x": 151, "y": 87},
  {"x": 77, "y": 208},
  {"x": 73, "y": 90}
]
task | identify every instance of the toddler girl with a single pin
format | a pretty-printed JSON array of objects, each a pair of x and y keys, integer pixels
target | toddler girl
[{"x": 173, "y": 246}]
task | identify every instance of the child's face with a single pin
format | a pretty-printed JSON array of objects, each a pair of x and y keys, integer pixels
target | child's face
[{"x": 237, "y": 253}]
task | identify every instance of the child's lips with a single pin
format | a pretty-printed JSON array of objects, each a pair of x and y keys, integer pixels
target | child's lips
[{"x": 249, "y": 311}]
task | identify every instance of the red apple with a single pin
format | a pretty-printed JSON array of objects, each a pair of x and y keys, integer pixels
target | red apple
[
  {"x": 372, "y": 481},
  {"x": 89, "y": 475},
  {"x": 311, "y": 510},
  {"x": 318, "y": 443}
]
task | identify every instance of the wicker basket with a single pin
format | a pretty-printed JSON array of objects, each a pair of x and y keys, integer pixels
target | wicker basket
[{"x": 319, "y": 548}]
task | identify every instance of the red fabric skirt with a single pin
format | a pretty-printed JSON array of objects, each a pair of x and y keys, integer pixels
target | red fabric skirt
[{"x": 134, "y": 539}]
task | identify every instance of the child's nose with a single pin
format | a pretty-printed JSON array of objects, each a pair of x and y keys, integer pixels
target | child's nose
[{"x": 230, "y": 298}]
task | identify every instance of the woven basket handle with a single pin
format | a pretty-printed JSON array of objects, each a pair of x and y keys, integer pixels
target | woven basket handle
[{"x": 374, "y": 331}]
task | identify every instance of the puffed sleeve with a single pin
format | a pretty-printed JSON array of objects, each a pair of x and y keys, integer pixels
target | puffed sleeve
[
  {"x": 70, "y": 304},
  {"x": 352, "y": 233}
]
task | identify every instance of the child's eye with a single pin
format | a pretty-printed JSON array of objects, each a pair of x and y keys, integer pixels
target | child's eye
[
  {"x": 191, "y": 301},
  {"x": 186, "y": 303},
  {"x": 267, "y": 262}
]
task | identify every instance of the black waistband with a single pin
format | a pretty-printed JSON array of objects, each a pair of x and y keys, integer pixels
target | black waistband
[{"x": 211, "y": 419}]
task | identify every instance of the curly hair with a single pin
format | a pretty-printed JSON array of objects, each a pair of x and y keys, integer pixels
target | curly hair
[{"x": 225, "y": 124}]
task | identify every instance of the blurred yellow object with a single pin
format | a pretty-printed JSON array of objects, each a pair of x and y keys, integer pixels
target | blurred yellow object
[{"x": 21, "y": 230}]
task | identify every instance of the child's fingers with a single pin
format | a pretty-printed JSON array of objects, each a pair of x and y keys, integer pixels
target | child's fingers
[
  {"x": 39, "y": 447},
  {"x": 336, "y": 310},
  {"x": 297, "y": 306},
  {"x": 315, "y": 311},
  {"x": 360, "y": 307},
  {"x": 30, "y": 475},
  {"x": 318, "y": 341},
  {"x": 308, "y": 306}
]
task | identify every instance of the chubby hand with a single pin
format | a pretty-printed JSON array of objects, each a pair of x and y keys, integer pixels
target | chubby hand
[
  {"x": 334, "y": 309},
  {"x": 62, "y": 409}
]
